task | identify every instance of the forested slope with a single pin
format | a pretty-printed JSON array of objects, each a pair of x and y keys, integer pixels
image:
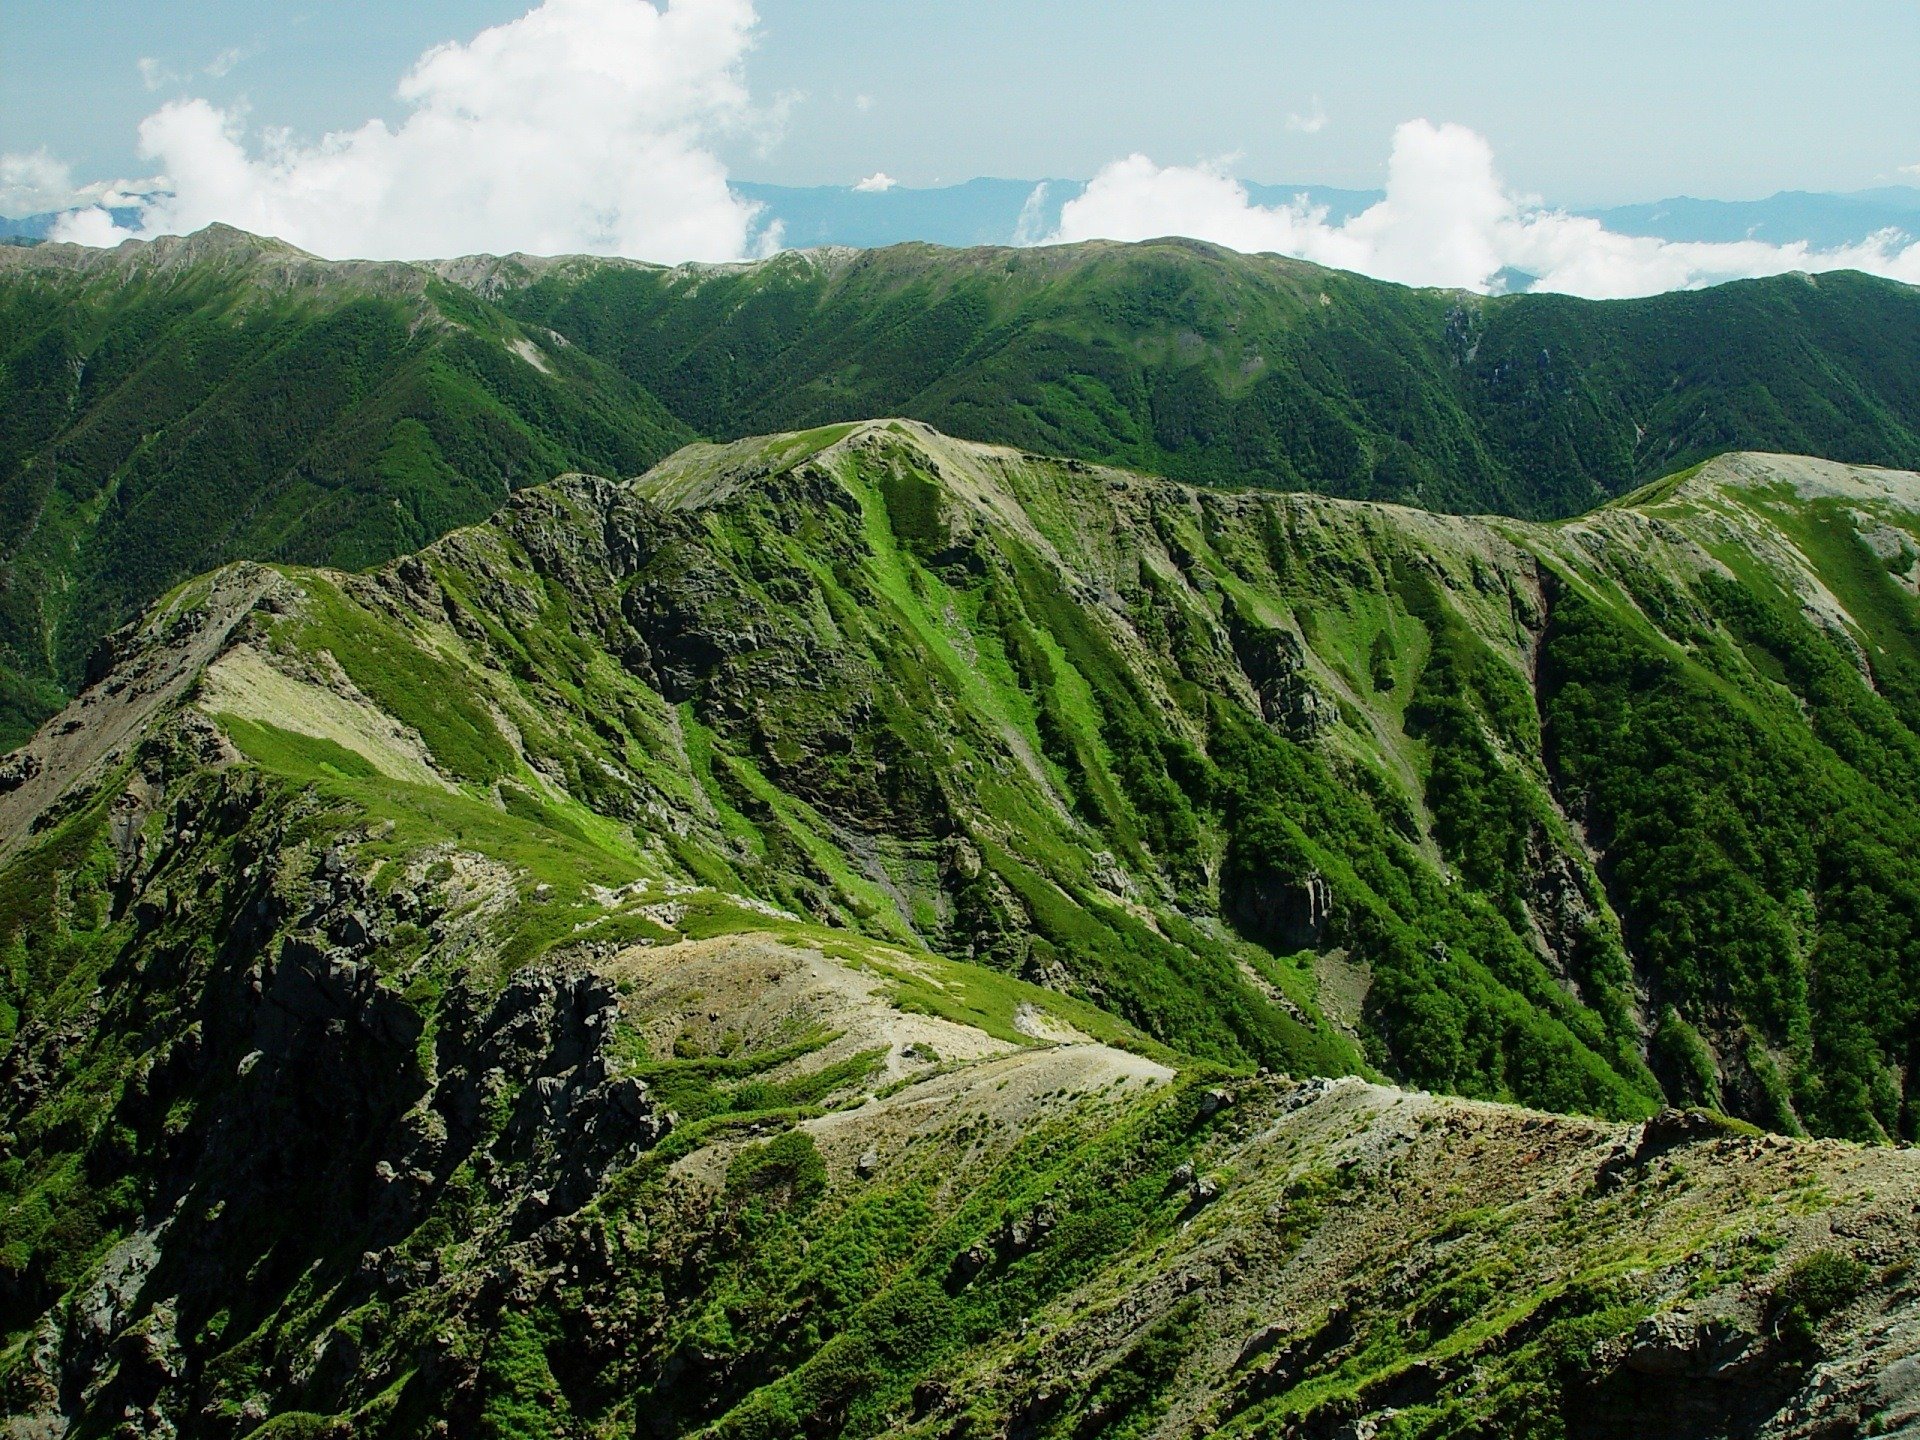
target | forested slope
[
  {"x": 171, "y": 407},
  {"x": 1585, "y": 816},
  {"x": 1193, "y": 361}
]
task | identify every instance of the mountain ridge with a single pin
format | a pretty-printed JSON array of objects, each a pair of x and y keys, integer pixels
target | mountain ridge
[
  {"x": 791, "y": 941},
  {"x": 147, "y": 437},
  {"x": 1267, "y": 658},
  {"x": 987, "y": 211}
]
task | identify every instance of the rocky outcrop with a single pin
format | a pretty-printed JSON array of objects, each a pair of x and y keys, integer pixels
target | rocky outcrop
[
  {"x": 544, "y": 1048},
  {"x": 1275, "y": 663},
  {"x": 284, "y": 1110},
  {"x": 1283, "y": 912}
]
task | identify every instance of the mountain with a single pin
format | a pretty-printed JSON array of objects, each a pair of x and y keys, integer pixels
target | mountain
[
  {"x": 31, "y": 229},
  {"x": 817, "y": 939},
  {"x": 977, "y": 212},
  {"x": 1820, "y": 220},
  {"x": 1011, "y": 212},
  {"x": 166, "y": 407},
  {"x": 1211, "y": 366}
]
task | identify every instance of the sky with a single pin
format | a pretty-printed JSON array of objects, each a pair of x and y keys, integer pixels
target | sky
[{"x": 450, "y": 125}]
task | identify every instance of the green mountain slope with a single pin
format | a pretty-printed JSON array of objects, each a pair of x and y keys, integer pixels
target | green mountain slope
[
  {"x": 1211, "y": 366},
  {"x": 166, "y": 408},
  {"x": 788, "y": 945},
  {"x": 1582, "y": 816}
]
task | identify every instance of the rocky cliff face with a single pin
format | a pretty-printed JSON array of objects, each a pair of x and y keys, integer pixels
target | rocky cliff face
[{"x": 816, "y": 940}]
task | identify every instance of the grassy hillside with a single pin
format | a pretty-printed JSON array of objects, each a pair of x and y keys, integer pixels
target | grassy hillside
[
  {"x": 167, "y": 410},
  {"x": 790, "y": 945},
  {"x": 1586, "y": 816},
  {"x": 1196, "y": 362}
]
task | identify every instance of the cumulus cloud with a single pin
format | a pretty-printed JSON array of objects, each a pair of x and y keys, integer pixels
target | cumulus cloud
[
  {"x": 584, "y": 125},
  {"x": 34, "y": 182},
  {"x": 876, "y": 183},
  {"x": 1031, "y": 227},
  {"x": 38, "y": 182},
  {"x": 1447, "y": 220},
  {"x": 91, "y": 226}
]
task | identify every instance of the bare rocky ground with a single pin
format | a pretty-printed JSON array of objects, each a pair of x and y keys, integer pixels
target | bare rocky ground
[
  {"x": 1330, "y": 1223},
  {"x": 1342, "y": 1258},
  {"x": 1347, "y": 1258}
]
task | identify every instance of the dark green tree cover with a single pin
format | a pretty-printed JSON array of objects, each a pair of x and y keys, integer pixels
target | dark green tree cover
[
  {"x": 158, "y": 423},
  {"x": 1191, "y": 361},
  {"x": 1763, "y": 865}
]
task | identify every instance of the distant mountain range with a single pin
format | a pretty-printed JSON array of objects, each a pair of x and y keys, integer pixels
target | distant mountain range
[
  {"x": 1820, "y": 220},
  {"x": 1003, "y": 212},
  {"x": 40, "y": 226}
]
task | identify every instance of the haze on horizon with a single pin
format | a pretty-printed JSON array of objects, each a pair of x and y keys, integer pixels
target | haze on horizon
[{"x": 619, "y": 126}]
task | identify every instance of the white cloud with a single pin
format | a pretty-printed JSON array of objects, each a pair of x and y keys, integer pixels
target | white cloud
[
  {"x": 34, "y": 183},
  {"x": 92, "y": 226},
  {"x": 1447, "y": 220},
  {"x": 223, "y": 63},
  {"x": 1910, "y": 169},
  {"x": 1311, "y": 123},
  {"x": 1027, "y": 229},
  {"x": 875, "y": 183},
  {"x": 864, "y": 103},
  {"x": 30, "y": 184},
  {"x": 582, "y": 125},
  {"x": 154, "y": 73}
]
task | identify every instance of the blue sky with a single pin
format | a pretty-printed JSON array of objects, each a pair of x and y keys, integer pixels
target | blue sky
[
  {"x": 1585, "y": 104},
  {"x": 444, "y": 127}
]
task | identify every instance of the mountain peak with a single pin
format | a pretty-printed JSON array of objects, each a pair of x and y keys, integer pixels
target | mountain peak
[{"x": 217, "y": 243}]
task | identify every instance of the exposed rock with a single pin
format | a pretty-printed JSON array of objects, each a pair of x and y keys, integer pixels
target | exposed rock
[
  {"x": 17, "y": 769},
  {"x": 1674, "y": 1344},
  {"x": 1673, "y": 1128},
  {"x": 1275, "y": 662},
  {"x": 1285, "y": 912}
]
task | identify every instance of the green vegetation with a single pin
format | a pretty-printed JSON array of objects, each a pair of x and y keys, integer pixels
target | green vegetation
[
  {"x": 1812, "y": 1290},
  {"x": 1758, "y": 859},
  {"x": 819, "y": 979},
  {"x": 407, "y": 681},
  {"x": 913, "y": 727},
  {"x": 1186, "y": 360},
  {"x": 223, "y": 399},
  {"x": 158, "y": 422}
]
